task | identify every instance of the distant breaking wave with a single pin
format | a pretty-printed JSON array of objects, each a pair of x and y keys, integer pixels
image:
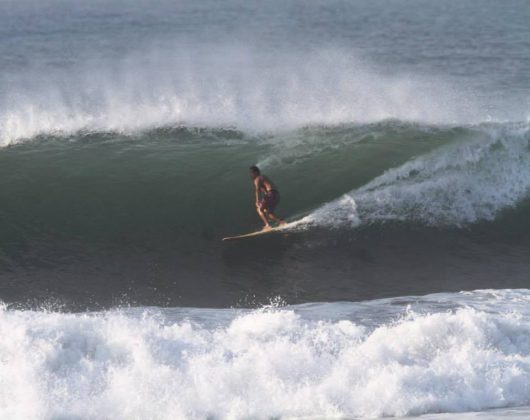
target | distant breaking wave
[{"x": 223, "y": 87}]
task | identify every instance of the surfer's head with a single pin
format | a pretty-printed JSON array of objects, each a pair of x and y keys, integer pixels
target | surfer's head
[{"x": 254, "y": 171}]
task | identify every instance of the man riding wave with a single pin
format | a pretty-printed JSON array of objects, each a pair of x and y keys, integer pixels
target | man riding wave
[{"x": 267, "y": 198}]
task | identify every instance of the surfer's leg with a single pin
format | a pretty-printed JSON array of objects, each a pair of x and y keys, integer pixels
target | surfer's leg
[
  {"x": 276, "y": 219},
  {"x": 263, "y": 217},
  {"x": 272, "y": 202}
]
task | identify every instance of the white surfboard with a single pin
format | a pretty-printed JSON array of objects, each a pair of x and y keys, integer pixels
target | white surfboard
[{"x": 263, "y": 232}]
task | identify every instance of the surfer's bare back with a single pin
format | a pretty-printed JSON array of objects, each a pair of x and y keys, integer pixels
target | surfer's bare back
[{"x": 267, "y": 198}]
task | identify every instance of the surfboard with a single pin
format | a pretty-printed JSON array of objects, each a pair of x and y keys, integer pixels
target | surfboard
[{"x": 261, "y": 232}]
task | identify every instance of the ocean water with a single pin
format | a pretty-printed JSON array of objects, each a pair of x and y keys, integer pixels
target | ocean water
[
  {"x": 441, "y": 353},
  {"x": 399, "y": 136}
]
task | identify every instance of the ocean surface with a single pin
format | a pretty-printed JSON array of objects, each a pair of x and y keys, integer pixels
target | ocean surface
[{"x": 398, "y": 133}]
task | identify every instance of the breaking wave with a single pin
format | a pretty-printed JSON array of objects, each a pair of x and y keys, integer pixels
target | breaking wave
[
  {"x": 455, "y": 185},
  {"x": 223, "y": 87},
  {"x": 401, "y": 356}
]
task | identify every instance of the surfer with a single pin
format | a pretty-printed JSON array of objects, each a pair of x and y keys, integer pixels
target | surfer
[{"x": 270, "y": 197}]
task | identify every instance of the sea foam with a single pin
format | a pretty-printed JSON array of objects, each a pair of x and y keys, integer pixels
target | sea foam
[{"x": 455, "y": 353}]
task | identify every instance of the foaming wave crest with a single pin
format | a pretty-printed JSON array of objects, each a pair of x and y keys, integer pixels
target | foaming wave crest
[
  {"x": 263, "y": 363},
  {"x": 220, "y": 87},
  {"x": 461, "y": 183}
]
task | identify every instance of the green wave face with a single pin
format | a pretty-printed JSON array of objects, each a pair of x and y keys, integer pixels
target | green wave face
[
  {"x": 102, "y": 186},
  {"x": 128, "y": 210}
]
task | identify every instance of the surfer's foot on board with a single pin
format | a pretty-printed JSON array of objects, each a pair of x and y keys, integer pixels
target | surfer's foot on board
[
  {"x": 266, "y": 227},
  {"x": 282, "y": 222}
]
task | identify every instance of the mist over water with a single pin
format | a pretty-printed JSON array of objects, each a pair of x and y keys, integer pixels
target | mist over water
[
  {"x": 399, "y": 136},
  {"x": 223, "y": 86},
  {"x": 132, "y": 67}
]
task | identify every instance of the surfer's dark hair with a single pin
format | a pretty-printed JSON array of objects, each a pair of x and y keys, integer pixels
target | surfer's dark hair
[{"x": 255, "y": 169}]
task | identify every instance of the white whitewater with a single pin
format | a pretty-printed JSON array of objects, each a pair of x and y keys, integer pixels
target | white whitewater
[
  {"x": 404, "y": 356},
  {"x": 465, "y": 182}
]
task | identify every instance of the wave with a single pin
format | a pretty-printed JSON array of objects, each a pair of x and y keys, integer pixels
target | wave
[
  {"x": 106, "y": 186},
  {"x": 402, "y": 356},
  {"x": 222, "y": 86},
  {"x": 142, "y": 217},
  {"x": 456, "y": 185}
]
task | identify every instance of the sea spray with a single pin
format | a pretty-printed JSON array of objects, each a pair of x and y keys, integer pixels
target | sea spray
[{"x": 222, "y": 87}]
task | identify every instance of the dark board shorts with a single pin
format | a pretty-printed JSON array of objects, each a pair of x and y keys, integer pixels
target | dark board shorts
[{"x": 270, "y": 200}]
